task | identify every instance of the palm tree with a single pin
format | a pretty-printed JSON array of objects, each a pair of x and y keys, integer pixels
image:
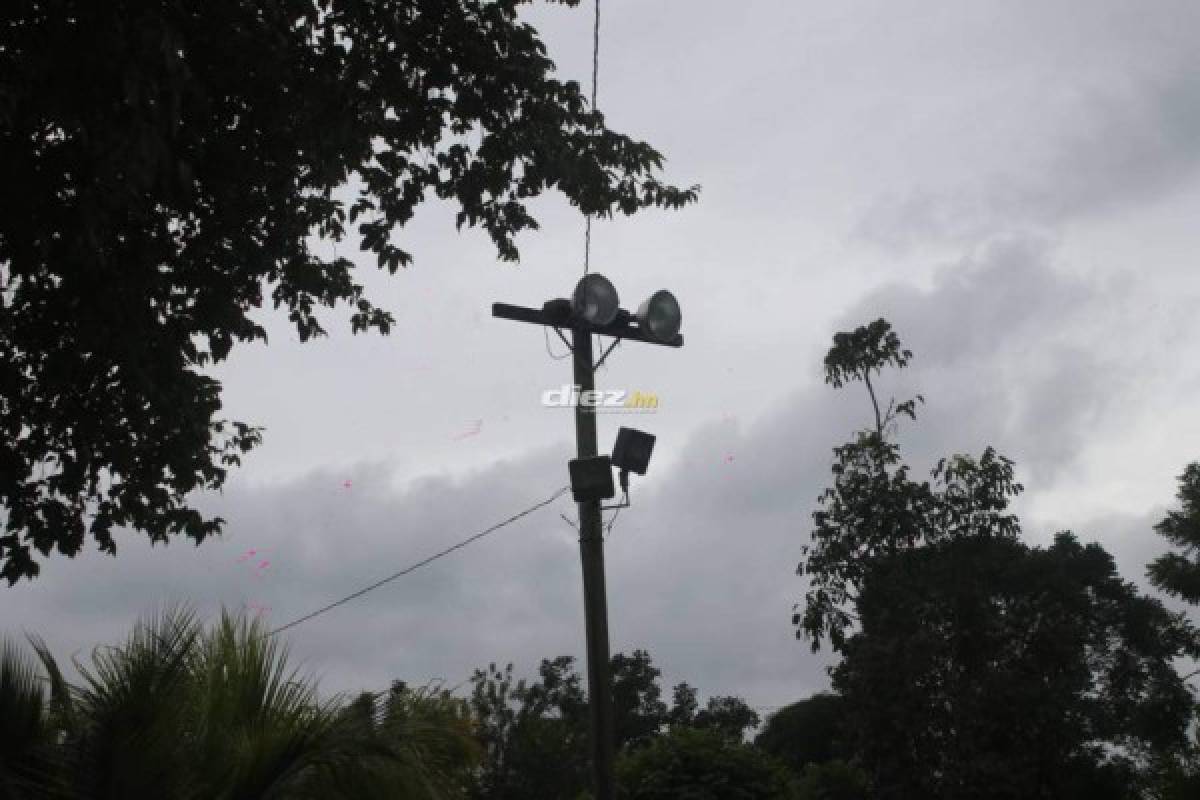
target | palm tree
[
  {"x": 180, "y": 712},
  {"x": 27, "y": 737}
]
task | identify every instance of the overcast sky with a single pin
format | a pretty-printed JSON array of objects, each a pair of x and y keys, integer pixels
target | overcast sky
[{"x": 1015, "y": 186}]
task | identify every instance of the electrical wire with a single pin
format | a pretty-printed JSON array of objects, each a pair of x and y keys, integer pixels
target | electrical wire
[
  {"x": 549, "y": 352},
  {"x": 595, "y": 54},
  {"x": 587, "y": 235},
  {"x": 421, "y": 563},
  {"x": 612, "y": 520}
]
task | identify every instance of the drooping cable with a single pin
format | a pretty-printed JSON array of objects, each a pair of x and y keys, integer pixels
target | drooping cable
[
  {"x": 551, "y": 353},
  {"x": 423, "y": 562}
]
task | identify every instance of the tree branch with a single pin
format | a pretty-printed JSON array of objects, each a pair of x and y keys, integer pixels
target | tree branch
[{"x": 874, "y": 403}]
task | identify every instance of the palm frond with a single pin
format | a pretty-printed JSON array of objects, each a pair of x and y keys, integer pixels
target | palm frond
[
  {"x": 259, "y": 725},
  {"x": 129, "y": 739},
  {"x": 62, "y": 702},
  {"x": 186, "y": 712},
  {"x": 28, "y": 766}
]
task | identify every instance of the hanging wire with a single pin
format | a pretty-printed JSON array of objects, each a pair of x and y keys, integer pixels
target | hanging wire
[
  {"x": 587, "y": 232},
  {"x": 551, "y": 353},
  {"x": 595, "y": 54},
  {"x": 422, "y": 563},
  {"x": 587, "y": 235},
  {"x": 613, "y": 519}
]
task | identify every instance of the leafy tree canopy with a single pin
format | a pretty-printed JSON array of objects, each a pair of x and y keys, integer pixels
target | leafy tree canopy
[
  {"x": 638, "y": 709},
  {"x": 806, "y": 732},
  {"x": 1178, "y": 572},
  {"x": 166, "y": 163},
  {"x": 988, "y": 668},
  {"x": 701, "y": 765},
  {"x": 723, "y": 715},
  {"x": 535, "y": 734},
  {"x": 974, "y": 664},
  {"x": 874, "y": 508},
  {"x": 833, "y": 780}
]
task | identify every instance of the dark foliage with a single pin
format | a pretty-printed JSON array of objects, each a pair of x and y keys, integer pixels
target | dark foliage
[
  {"x": 973, "y": 664},
  {"x": 808, "y": 732},
  {"x": 638, "y": 709},
  {"x": 1178, "y": 572},
  {"x": 987, "y": 668},
  {"x": 183, "y": 712},
  {"x": 700, "y": 765},
  {"x": 874, "y": 508},
  {"x": 833, "y": 780},
  {"x": 165, "y": 165},
  {"x": 726, "y": 716},
  {"x": 535, "y": 734}
]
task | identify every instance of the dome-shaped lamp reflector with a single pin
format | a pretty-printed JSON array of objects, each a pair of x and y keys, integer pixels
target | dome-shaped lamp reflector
[
  {"x": 595, "y": 300},
  {"x": 660, "y": 316}
]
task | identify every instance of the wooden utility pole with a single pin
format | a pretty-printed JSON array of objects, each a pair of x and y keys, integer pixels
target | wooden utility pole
[
  {"x": 595, "y": 601},
  {"x": 624, "y": 325}
]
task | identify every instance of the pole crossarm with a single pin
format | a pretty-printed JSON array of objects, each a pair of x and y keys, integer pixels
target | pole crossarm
[{"x": 557, "y": 314}]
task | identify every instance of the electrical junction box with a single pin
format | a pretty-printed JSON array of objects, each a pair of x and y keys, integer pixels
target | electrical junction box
[{"x": 591, "y": 478}]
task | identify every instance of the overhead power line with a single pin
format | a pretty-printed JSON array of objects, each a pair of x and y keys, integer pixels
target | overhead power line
[
  {"x": 587, "y": 236},
  {"x": 422, "y": 563}
]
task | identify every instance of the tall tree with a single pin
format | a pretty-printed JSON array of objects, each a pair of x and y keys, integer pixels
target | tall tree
[
  {"x": 166, "y": 164},
  {"x": 874, "y": 508},
  {"x": 1178, "y": 572},
  {"x": 973, "y": 664}
]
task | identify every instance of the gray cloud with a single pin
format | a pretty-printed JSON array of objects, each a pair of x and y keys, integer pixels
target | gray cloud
[
  {"x": 991, "y": 356},
  {"x": 701, "y": 569},
  {"x": 1122, "y": 144}
]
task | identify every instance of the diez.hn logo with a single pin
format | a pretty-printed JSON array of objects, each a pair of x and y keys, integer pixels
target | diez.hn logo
[{"x": 611, "y": 400}]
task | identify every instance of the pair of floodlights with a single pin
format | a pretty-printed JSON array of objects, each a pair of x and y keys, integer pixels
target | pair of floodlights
[
  {"x": 595, "y": 308},
  {"x": 595, "y": 302}
]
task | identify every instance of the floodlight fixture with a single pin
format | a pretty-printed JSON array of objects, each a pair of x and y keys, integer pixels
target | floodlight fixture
[
  {"x": 631, "y": 452},
  {"x": 660, "y": 316},
  {"x": 595, "y": 300}
]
